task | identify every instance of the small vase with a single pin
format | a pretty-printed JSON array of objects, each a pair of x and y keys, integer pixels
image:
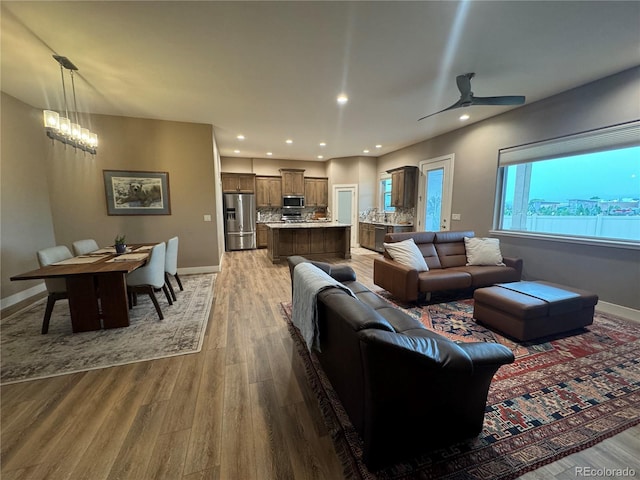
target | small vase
[{"x": 121, "y": 248}]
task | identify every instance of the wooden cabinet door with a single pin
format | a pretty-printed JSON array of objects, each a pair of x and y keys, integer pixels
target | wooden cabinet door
[
  {"x": 292, "y": 182},
  {"x": 262, "y": 192},
  {"x": 275, "y": 191},
  {"x": 261, "y": 235},
  {"x": 322, "y": 192},
  {"x": 316, "y": 242},
  {"x": 316, "y": 192},
  {"x": 229, "y": 183},
  {"x": 302, "y": 241},
  {"x": 310, "y": 192},
  {"x": 246, "y": 183},
  {"x": 397, "y": 189}
]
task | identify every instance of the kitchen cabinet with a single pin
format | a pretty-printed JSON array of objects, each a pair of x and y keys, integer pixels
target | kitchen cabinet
[
  {"x": 238, "y": 182},
  {"x": 292, "y": 181},
  {"x": 367, "y": 233},
  {"x": 268, "y": 191},
  {"x": 403, "y": 186},
  {"x": 261, "y": 235},
  {"x": 308, "y": 239},
  {"x": 316, "y": 192}
]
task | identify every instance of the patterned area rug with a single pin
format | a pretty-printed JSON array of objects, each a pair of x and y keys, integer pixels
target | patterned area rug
[
  {"x": 28, "y": 355},
  {"x": 561, "y": 395}
]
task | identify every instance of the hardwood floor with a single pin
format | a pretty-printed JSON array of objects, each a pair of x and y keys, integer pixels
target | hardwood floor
[{"x": 239, "y": 409}]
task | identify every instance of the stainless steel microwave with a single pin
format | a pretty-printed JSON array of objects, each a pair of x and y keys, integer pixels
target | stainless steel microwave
[{"x": 293, "y": 201}]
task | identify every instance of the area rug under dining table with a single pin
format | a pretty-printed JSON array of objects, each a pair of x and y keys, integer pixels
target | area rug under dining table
[
  {"x": 562, "y": 394},
  {"x": 26, "y": 354}
]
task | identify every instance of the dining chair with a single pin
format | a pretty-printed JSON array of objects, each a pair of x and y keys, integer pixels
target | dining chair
[
  {"x": 171, "y": 265},
  {"x": 150, "y": 278},
  {"x": 56, "y": 287},
  {"x": 82, "y": 247}
]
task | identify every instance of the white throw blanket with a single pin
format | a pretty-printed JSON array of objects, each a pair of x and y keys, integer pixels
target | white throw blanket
[{"x": 308, "y": 281}]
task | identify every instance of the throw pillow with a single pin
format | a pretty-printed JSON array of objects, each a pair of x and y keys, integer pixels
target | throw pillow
[
  {"x": 483, "y": 251},
  {"x": 407, "y": 253}
]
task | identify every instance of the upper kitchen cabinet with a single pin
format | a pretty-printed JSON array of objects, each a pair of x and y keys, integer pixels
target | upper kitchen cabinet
[
  {"x": 292, "y": 181},
  {"x": 316, "y": 192},
  {"x": 268, "y": 191},
  {"x": 238, "y": 182},
  {"x": 403, "y": 186}
]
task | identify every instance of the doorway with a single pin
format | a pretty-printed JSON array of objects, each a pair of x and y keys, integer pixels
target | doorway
[
  {"x": 435, "y": 190},
  {"x": 345, "y": 207}
]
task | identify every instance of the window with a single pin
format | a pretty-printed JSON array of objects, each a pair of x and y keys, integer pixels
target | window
[
  {"x": 581, "y": 186},
  {"x": 385, "y": 195}
]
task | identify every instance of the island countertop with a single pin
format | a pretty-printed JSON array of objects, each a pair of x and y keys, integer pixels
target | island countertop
[{"x": 307, "y": 225}]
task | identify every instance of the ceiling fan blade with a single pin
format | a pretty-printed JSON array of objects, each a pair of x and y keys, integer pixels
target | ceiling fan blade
[
  {"x": 458, "y": 104},
  {"x": 504, "y": 100}
]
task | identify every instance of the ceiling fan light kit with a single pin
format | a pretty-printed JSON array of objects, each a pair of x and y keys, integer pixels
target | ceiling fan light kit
[
  {"x": 60, "y": 127},
  {"x": 468, "y": 99}
]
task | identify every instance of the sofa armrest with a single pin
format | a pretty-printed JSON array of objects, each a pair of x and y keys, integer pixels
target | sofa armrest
[
  {"x": 399, "y": 280},
  {"x": 487, "y": 353},
  {"x": 515, "y": 263},
  {"x": 343, "y": 273}
]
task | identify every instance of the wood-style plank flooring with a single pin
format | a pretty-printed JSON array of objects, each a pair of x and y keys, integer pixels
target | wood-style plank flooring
[{"x": 239, "y": 409}]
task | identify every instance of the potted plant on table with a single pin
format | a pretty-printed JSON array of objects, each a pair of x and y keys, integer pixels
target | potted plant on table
[{"x": 120, "y": 244}]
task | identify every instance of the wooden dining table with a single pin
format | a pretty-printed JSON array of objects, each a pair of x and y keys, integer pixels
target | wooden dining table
[{"x": 96, "y": 285}]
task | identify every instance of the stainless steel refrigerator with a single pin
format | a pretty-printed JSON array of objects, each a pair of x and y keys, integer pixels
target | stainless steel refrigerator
[{"x": 239, "y": 221}]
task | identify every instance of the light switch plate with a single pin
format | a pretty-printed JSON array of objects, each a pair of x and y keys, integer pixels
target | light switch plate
[
  {"x": 207, "y": 218},
  {"x": 455, "y": 216}
]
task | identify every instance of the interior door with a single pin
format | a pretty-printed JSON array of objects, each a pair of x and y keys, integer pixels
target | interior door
[
  {"x": 345, "y": 207},
  {"x": 434, "y": 194}
]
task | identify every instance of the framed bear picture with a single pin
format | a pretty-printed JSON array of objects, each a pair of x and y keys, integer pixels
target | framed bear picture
[{"x": 137, "y": 193}]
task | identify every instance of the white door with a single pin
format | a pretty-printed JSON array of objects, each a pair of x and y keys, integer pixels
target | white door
[
  {"x": 345, "y": 207},
  {"x": 434, "y": 194}
]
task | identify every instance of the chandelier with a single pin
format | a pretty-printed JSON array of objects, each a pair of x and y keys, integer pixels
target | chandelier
[{"x": 63, "y": 127}]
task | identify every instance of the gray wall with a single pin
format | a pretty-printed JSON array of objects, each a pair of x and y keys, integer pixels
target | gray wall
[{"x": 613, "y": 273}]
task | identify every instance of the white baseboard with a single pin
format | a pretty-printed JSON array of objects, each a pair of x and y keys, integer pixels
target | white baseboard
[
  {"x": 618, "y": 310},
  {"x": 23, "y": 295}
]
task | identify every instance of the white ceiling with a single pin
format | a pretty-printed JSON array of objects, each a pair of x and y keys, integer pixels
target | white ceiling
[{"x": 273, "y": 70}]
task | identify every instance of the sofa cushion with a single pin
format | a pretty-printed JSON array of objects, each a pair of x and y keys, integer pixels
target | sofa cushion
[
  {"x": 443, "y": 279},
  {"x": 482, "y": 276},
  {"x": 483, "y": 251},
  {"x": 407, "y": 253}
]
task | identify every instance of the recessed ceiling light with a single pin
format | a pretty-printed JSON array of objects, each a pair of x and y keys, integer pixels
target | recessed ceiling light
[
  {"x": 378, "y": 146},
  {"x": 464, "y": 117},
  {"x": 342, "y": 99},
  {"x": 289, "y": 141},
  {"x": 269, "y": 153},
  {"x": 236, "y": 151},
  {"x": 320, "y": 157},
  {"x": 365, "y": 151},
  {"x": 240, "y": 137},
  {"x": 323, "y": 144}
]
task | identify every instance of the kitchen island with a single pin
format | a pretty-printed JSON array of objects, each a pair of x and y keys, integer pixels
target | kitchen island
[{"x": 309, "y": 239}]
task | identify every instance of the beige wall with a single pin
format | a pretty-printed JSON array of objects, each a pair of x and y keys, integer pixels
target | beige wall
[
  {"x": 612, "y": 273},
  {"x": 71, "y": 195},
  {"x": 271, "y": 166},
  {"x": 26, "y": 221}
]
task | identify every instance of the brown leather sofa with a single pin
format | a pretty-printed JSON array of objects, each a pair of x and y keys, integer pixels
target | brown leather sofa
[
  {"x": 406, "y": 389},
  {"x": 446, "y": 258}
]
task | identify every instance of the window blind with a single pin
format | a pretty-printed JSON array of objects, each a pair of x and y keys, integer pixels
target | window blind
[{"x": 617, "y": 136}]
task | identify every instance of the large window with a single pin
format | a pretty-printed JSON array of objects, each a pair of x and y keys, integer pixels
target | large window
[{"x": 584, "y": 186}]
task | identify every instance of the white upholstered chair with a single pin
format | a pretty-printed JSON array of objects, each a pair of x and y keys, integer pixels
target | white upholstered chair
[
  {"x": 82, "y": 247},
  {"x": 171, "y": 265},
  {"x": 150, "y": 277},
  {"x": 56, "y": 287}
]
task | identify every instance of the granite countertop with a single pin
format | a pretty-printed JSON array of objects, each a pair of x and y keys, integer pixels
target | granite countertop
[
  {"x": 390, "y": 224},
  {"x": 307, "y": 225}
]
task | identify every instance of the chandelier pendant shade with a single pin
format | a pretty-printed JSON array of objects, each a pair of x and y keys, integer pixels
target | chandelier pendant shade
[{"x": 64, "y": 127}]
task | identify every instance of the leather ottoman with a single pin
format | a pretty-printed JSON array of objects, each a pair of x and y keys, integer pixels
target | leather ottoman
[{"x": 530, "y": 310}]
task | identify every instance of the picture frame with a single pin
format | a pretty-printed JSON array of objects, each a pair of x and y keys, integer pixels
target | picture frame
[{"x": 137, "y": 192}]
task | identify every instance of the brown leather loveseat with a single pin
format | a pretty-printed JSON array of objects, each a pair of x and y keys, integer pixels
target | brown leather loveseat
[
  {"x": 445, "y": 255},
  {"x": 405, "y": 388}
]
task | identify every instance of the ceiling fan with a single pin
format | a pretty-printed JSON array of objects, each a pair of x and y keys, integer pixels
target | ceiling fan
[{"x": 467, "y": 99}]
